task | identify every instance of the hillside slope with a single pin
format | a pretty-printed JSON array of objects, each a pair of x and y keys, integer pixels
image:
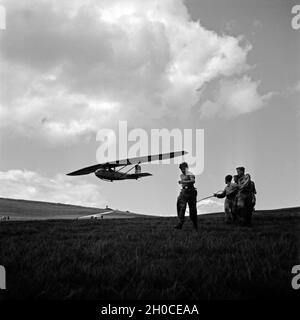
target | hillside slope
[{"x": 37, "y": 210}]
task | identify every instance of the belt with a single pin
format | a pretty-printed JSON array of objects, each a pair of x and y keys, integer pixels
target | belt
[{"x": 188, "y": 188}]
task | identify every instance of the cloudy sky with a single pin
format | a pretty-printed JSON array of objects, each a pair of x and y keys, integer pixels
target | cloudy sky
[{"x": 70, "y": 68}]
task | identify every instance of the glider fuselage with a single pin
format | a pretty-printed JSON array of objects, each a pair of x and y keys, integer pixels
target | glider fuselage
[{"x": 111, "y": 175}]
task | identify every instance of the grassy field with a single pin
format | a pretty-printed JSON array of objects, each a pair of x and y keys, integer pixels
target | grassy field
[{"x": 147, "y": 259}]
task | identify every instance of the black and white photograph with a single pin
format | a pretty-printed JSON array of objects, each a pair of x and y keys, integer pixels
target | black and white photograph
[{"x": 149, "y": 152}]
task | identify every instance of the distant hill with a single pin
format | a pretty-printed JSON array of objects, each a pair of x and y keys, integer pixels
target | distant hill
[
  {"x": 291, "y": 211},
  {"x": 38, "y": 210}
]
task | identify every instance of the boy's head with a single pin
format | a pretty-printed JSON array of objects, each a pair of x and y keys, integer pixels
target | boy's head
[
  {"x": 240, "y": 171},
  {"x": 183, "y": 167},
  {"x": 235, "y": 178},
  {"x": 228, "y": 178}
]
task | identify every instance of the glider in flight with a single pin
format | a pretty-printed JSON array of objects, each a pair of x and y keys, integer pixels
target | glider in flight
[{"x": 111, "y": 171}]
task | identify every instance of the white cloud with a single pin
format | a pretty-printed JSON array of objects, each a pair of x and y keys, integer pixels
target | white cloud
[
  {"x": 29, "y": 185},
  {"x": 235, "y": 97},
  {"x": 210, "y": 206},
  {"x": 72, "y": 67}
]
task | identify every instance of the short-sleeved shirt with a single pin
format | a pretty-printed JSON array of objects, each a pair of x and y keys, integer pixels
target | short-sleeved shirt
[
  {"x": 187, "y": 177},
  {"x": 229, "y": 192}
]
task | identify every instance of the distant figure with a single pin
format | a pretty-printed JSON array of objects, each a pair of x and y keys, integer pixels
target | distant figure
[
  {"x": 234, "y": 208},
  {"x": 236, "y": 178},
  {"x": 244, "y": 197},
  {"x": 188, "y": 195},
  {"x": 230, "y": 193},
  {"x": 253, "y": 194},
  {"x": 138, "y": 169}
]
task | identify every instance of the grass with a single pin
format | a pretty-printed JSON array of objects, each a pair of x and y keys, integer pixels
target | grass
[{"x": 147, "y": 259}]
